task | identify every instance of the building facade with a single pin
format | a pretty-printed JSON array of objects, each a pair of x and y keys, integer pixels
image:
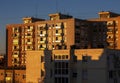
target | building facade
[
  {"x": 60, "y": 32},
  {"x": 113, "y": 28},
  {"x": 73, "y": 66},
  {"x": 11, "y": 75},
  {"x": 64, "y": 49}
]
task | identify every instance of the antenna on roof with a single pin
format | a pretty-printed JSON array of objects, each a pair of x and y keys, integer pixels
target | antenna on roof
[
  {"x": 36, "y": 9},
  {"x": 56, "y": 6}
]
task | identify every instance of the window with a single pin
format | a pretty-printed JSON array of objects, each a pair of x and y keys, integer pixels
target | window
[
  {"x": 28, "y": 34},
  {"x": 55, "y": 57},
  {"x": 15, "y": 41},
  {"x": 41, "y": 32},
  {"x": 66, "y": 56},
  {"x": 61, "y": 68},
  {"x": 56, "y": 38},
  {"x": 15, "y": 60},
  {"x": 74, "y": 58},
  {"x": 15, "y": 35},
  {"x": 15, "y": 47},
  {"x": 16, "y": 29},
  {"x": 59, "y": 57},
  {"x": 95, "y": 30},
  {"x": 74, "y": 75},
  {"x": 24, "y": 76},
  {"x": 84, "y": 74},
  {"x": 63, "y": 57},
  {"x": 61, "y": 80},
  {"x": 111, "y": 74},
  {"x": 56, "y": 31},
  {"x": 1, "y": 73},
  {"x": 28, "y": 40},
  {"x": 41, "y": 39},
  {"x": 53, "y": 47},
  {"x": 41, "y": 46},
  {"x": 84, "y": 58},
  {"x": 28, "y": 27},
  {"x": 119, "y": 73},
  {"x": 28, "y": 47}
]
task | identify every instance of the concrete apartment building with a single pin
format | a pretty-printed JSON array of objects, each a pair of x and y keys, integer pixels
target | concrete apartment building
[
  {"x": 11, "y": 75},
  {"x": 43, "y": 46},
  {"x": 113, "y": 23},
  {"x": 73, "y": 66},
  {"x": 60, "y": 32}
]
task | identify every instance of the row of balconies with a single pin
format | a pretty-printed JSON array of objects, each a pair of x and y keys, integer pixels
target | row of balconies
[
  {"x": 42, "y": 41},
  {"x": 30, "y": 35},
  {"x": 28, "y": 47},
  {"x": 42, "y": 28},
  {"x": 31, "y": 28},
  {"x": 111, "y": 24},
  {"x": 17, "y": 43},
  {"x": 16, "y": 30},
  {"x": 110, "y": 40},
  {"x": 45, "y": 41},
  {"x": 17, "y": 36},
  {"x": 31, "y": 43},
  {"x": 57, "y": 34},
  {"x": 17, "y": 52},
  {"x": 56, "y": 27},
  {"x": 15, "y": 60},
  {"x": 43, "y": 46},
  {"x": 43, "y": 35}
]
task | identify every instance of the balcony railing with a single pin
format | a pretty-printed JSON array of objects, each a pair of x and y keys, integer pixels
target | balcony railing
[
  {"x": 58, "y": 27},
  {"x": 15, "y": 55}
]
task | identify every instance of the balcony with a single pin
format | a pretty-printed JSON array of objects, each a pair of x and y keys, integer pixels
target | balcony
[
  {"x": 42, "y": 35},
  {"x": 58, "y": 41},
  {"x": 16, "y": 30},
  {"x": 110, "y": 39},
  {"x": 110, "y": 25},
  {"x": 57, "y": 34},
  {"x": 29, "y": 43},
  {"x": 30, "y": 36},
  {"x": 42, "y": 28},
  {"x": 29, "y": 30},
  {"x": 110, "y": 32},
  {"x": 15, "y": 35},
  {"x": 15, "y": 43},
  {"x": 57, "y": 27},
  {"x": 15, "y": 55},
  {"x": 42, "y": 41}
]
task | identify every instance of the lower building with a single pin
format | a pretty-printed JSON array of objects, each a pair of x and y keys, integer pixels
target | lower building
[
  {"x": 66, "y": 66},
  {"x": 72, "y": 66},
  {"x": 11, "y": 75},
  {"x": 37, "y": 63}
]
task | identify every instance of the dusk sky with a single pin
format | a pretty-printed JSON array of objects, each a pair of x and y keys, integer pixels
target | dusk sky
[{"x": 12, "y": 11}]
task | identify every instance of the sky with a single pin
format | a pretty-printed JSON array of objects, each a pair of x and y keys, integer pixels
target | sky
[{"x": 12, "y": 11}]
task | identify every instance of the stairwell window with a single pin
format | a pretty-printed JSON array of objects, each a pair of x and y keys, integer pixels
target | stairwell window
[{"x": 84, "y": 58}]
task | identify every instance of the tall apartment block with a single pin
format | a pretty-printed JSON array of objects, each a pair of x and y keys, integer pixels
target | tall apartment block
[
  {"x": 65, "y": 49},
  {"x": 113, "y": 28},
  {"x": 60, "y": 32}
]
